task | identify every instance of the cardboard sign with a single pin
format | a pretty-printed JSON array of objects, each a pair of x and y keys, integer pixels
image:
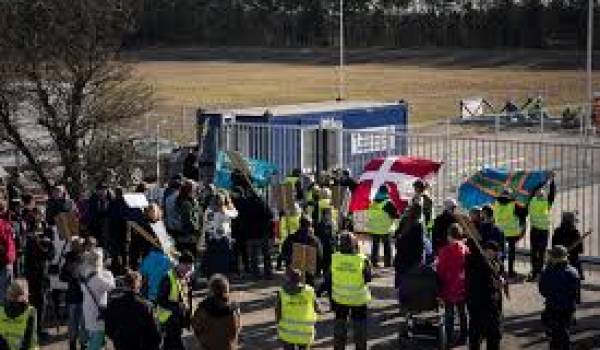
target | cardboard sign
[
  {"x": 67, "y": 225},
  {"x": 166, "y": 242},
  {"x": 283, "y": 196},
  {"x": 360, "y": 220},
  {"x": 136, "y": 200},
  {"x": 304, "y": 258},
  {"x": 365, "y": 243}
]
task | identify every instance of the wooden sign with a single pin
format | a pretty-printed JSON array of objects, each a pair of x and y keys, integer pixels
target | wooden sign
[
  {"x": 304, "y": 258},
  {"x": 67, "y": 225},
  {"x": 283, "y": 196},
  {"x": 238, "y": 162},
  {"x": 360, "y": 220}
]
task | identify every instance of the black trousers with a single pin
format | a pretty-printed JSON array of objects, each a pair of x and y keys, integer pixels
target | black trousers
[
  {"x": 481, "y": 330},
  {"x": 512, "y": 250},
  {"x": 539, "y": 243},
  {"x": 387, "y": 249},
  {"x": 558, "y": 323},
  {"x": 37, "y": 297}
]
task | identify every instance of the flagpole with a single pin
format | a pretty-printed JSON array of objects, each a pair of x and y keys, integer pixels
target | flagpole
[
  {"x": 590, "y": 46},
  {"x": 341, "y": 63}
]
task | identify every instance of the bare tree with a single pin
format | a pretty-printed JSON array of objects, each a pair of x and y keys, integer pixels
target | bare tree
[{"x": 63, "y": 84}]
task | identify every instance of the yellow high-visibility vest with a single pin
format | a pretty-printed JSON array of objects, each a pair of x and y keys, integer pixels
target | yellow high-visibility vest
[
  {"x": 163, "y": 314},
  {"x": 539, "y": 214},
  {"x": 348, "y": 282},
  {"x": 288, "y": 225},
  {"x": 506, "y": 219},
  {"x": 379, "y": 222},
  {"x": 13, "y": 329},
  {"x": 298, "y": 316}
]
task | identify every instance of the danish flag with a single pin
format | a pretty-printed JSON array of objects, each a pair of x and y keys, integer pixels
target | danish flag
[{"x": 397, "y": 173}]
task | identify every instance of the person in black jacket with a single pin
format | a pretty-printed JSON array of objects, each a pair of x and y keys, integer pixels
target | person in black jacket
[
  {"x": 71, "y": 273},
  {"x": 39, "y": 250},
  {"x": 326, "y": 234},
  {"x": 130, "y": 323},
  {"x": 305, "y": 236},
  {"x": 441, "y": 223},
  {"x": 559, "y": 285},
  {"x": 569, "y": 237}
]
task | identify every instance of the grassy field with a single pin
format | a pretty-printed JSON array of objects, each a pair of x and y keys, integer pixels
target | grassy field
[{"x": 432, "y": 84}]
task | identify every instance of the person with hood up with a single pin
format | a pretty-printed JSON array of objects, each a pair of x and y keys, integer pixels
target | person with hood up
[
  {"x": 216, "y": 321},
  {"x": 130, "y": 322},
  {"x": 510, "y": 218},
  {"x": 451, "y": 265},
  {"x": 18, "y": 320},
  {"x": 380, "y": 222},
  {"x": 559, "y": 285},
  {"x": 96, "y": 282},
  {"x": 296, "y": 312},
  {"x": 441, "y": 224}
]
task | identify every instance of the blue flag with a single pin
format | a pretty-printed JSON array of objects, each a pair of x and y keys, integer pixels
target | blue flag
[
  {"x": 487, "y": 184},
  {"x": 260, "y": 171}
]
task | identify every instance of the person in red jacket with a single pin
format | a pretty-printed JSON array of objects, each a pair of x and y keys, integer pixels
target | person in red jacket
[
  {"x": 451, "y": 266},
  {"x": 7, "y": 252}
]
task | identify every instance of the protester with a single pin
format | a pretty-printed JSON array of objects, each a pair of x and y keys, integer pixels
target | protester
[
  {"x": 153, "y": 268},
  {"x": 296, "y": 312},
  {"x": 172, "y": 215},
  {"x": 239, "y": 226},
  {"x": 559, "y": 285},
  {"x": 173, "y": 315},
  {"x": 71, "y": 273},
  {"x": 191, "y": 222},
  {"x": 294, "y": 180},
  {"x": 441, "y": 224},
  {"x": 96, "y": 282},
  {"x": 349, "y": 290},
  {"x": 7, "y": 252},
  {"x": 424, "y": 199},
  {"x": 18, "y": 321},
  {"x": 410, "y": 245},
  {"x": 130, "y": 322},
  {"x": 326, "y": 234},
  {"x": 15, "y": 189},
  {"x": 451, "y": 264},
  {"x": 485, "y": 283},
  {"x": 216, "y": 322},
  {"x": 540, "y": 210},
  {"x": 218, "y": 256},
  {"x": 568, "y": 236},
  {"x": 39, "y": 251},
  {"x": 304, "y": 236},
  {"x": 59, "y": 202},
  {"x": 98, "y": 212},
  {"x": 489, "y": 231},
  {"x": 381, "y": 215},
  {"x": 510, "y": 218},
  {"x": 259, "y": 233},
  {"x": 289, "y": 223}
]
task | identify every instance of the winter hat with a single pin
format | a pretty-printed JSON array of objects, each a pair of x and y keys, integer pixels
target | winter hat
[{"x": 558, "y": 254}]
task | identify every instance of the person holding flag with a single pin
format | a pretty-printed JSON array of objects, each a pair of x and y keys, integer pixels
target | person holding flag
[
  {"x": 380, "y": 223},
  {"x": 540, "y": 210},
  {"x": 511, "y": 219}
]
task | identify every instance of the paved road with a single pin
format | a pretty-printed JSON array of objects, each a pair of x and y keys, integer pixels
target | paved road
[{"x": 522, "y": 313}]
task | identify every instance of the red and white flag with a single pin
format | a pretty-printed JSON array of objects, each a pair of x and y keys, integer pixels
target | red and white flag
[{"x": 398, "y": 173}]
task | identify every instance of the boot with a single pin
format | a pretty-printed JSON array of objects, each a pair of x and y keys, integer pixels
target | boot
[
  {"x": 340, "y": 334},
  {"x": 360, "y": 334},
  {"x": 73, "y": 345}
]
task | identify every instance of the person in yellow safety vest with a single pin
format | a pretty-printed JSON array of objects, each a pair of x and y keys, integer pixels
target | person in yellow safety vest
[
  {"x": 420, "y": 187},
  {"x": 313, "y": 195},
  {"x": 296, "y": 312},
  {"x": 325, "y": 202},
  {"x": 288, "y": 225},
  {"x": 540, "y": 210},
  {"x": 510, "y": 219},
  {"x": 171, "y": 310},
  {"x": 294, "y": 180},
  {"x": 380, "y": 224},
  {"x": 18, "y": 320},
  {"x": 350, "y": 294}
]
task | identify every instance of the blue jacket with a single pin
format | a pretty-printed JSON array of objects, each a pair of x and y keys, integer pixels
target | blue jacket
[
  {"x": 559, "y": 284},
  {"x": 153, "y": 268}
]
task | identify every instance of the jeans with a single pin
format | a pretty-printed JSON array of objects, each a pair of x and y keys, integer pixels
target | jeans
[
  {"x": 449, "y": 320},
  {"x": 256, "y": 247},
  {"x": 75, "y": 326},
  {"x": 95, "y": 340},
  {"x": 539, "y": 244},
  {"x": 512, "y": 249},
  {"x": 387, "y": 249},
  {"x": 6, "y": 274}
]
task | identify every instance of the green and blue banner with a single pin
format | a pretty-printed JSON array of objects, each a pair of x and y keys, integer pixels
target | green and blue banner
[{"x": 260, "y": 171}]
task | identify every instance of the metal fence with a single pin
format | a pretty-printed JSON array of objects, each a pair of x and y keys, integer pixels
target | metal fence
[{"x": 576, "y": 163}]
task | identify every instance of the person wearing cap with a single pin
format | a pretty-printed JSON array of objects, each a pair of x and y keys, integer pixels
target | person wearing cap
[
  {"x": 567, "y": 235},
  {"x": 511, "y": 219},
  {"x": 420, "y": 188},
  {"x": 296, "y": 312},
  {"x": 96, "y": 282},
  {"x": 130, "y": 322},
  {"x": 485, "y": 284},
  {"x": 171, "y": 310},
  {"x": 380, "y": 224},
  {"x": 18, "y": 320},
  {"x": 441, "y": 224},
  {"x": 559, "y": 286},
  {"x": 540, "y": 212}
]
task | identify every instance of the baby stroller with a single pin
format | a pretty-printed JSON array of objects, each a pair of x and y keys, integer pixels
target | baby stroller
[{"x": 420, "y": 307}]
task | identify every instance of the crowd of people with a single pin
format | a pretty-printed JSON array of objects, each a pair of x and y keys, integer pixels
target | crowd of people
[{"x": 123, "y": 286}]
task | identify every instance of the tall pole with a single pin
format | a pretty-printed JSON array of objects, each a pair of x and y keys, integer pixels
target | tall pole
[
  {"x": 341, "y": 67},
  {"x": 158, "y": 153},
  {"x": 590, "y": 47}
]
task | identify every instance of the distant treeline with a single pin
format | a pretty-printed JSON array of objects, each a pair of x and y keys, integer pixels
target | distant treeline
[{"x": 314, "y": 23}]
